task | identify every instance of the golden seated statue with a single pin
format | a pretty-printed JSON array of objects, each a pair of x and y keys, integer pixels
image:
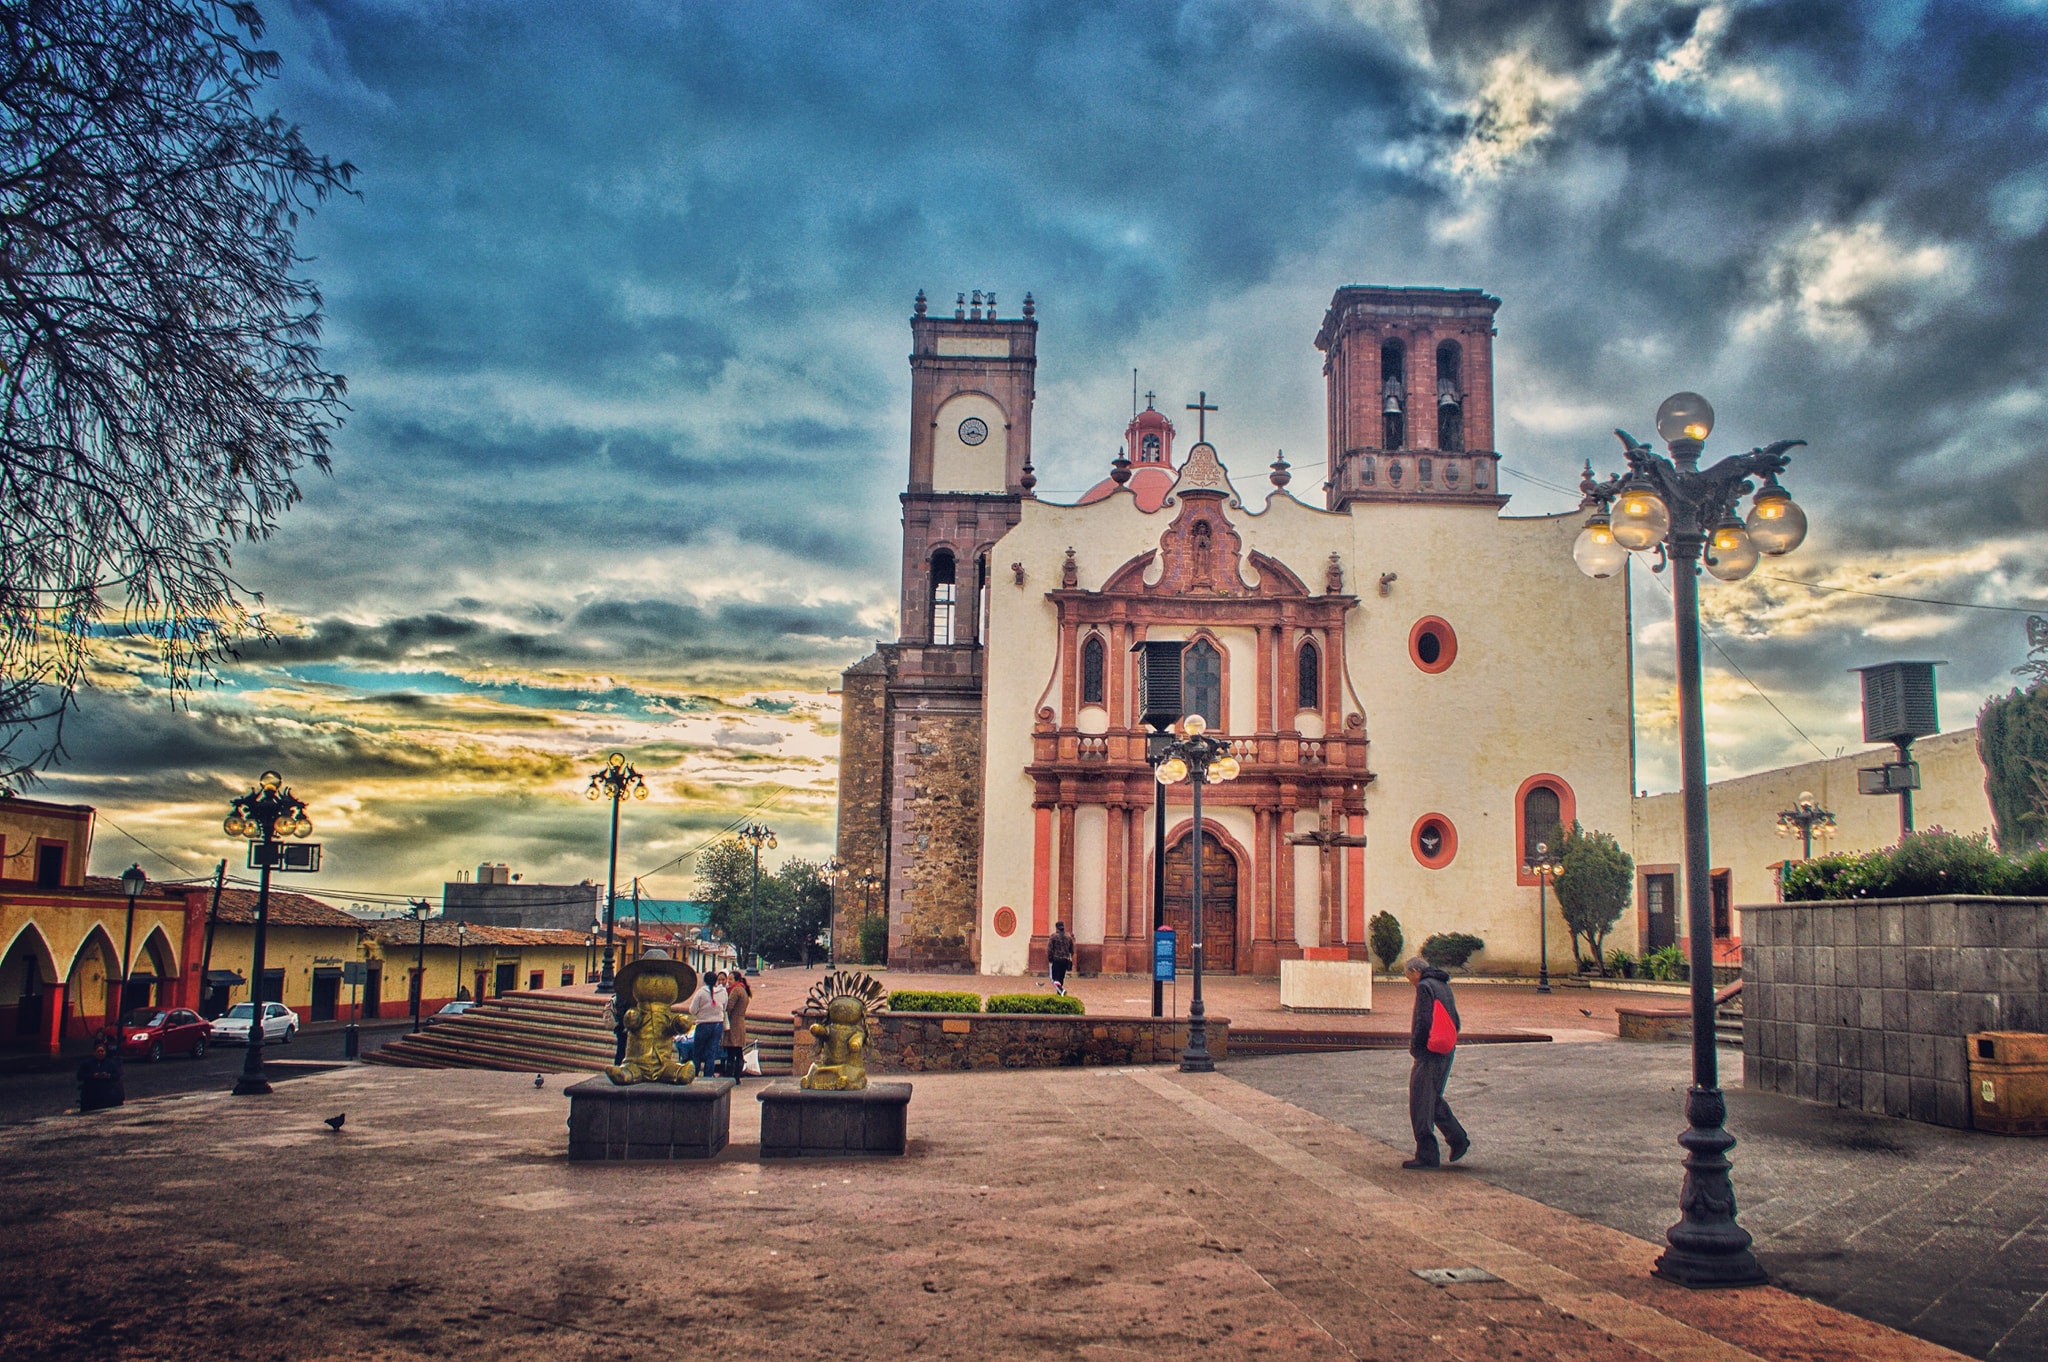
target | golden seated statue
[
  {"x": 654, "y": 983},
  {"x": 846, "y": 998}
]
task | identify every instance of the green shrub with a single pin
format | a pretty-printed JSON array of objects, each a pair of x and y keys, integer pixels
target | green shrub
[
  {"x": 1621, "y": 962},
  {"x": 1930, "y": 862},
  {"x": 1384, "y": 931},
  {"x": 1594, "y": 887},
  {"x": 1057, "y": 1004},
  {"x": 874, "y": 941},
  {"x": 1450, "y": 950},
  {"x": 920, "y": 1000},
  {"x": 1665, "y": 965}
]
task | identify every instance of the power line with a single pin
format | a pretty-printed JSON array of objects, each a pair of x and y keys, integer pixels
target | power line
[
  {"x": 1916, "y": 600},
  {"x": 1761, "y": 692},
  {"x": 182, "y": 870}
]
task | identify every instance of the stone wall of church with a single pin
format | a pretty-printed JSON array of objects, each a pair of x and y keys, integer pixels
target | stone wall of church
[
  {"x": 936, "y": 776},
  {"x": 863, "y": 842}
]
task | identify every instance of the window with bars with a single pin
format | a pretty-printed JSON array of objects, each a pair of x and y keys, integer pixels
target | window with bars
[
  {"x": 1201, "y": 673},
  {"x": 945, "y": 597},
  {"x": 1308, "y": 676},
  {"x": 1542, "y": 812},
  {"x": 1094, "y": 659}
]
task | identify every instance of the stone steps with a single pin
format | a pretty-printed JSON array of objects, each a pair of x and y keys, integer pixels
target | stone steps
[{"x": 543, "y": 1033}]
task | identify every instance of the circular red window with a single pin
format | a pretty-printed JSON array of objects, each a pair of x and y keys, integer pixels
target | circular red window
[
  {"x": 1434, "y": 840},
  {"x": 1432, "y": 644},
  {"x": 1006, "y": 920}
]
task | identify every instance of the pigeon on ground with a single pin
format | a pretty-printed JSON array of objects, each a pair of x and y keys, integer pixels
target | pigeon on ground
[
  {"x": 539, "y": 1082},
  {"x": 1585, "y": 1012},
  {"x": 334, "y": 1122}
]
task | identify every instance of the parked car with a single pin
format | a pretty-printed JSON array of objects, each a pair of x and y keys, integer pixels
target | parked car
[
  {"x": 153, "y": 1032},
  {"x": 280, "y": 1024},
  {"x": 448, "y": 1010}
]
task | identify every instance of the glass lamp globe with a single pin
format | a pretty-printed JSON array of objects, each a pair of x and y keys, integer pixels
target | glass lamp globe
[
  {"x": 639, "y": 792},
  {"x": 590, "y": 792},
  {"x": 1226, "y": 769},
  {"x": 615, "y": 760},
  {"x": 1595, "y": 550},
  {"x": 1172, "y": 771},
  {"x": 1685, "y": 416},
  {"x": 1640, "y": 519},
  {"x": 1776, "y": 524},
  {"x": 1731, "y": 555},
  {"x": 1194, "y": 725}
]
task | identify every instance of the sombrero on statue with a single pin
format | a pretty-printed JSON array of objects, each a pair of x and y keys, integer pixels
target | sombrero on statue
[{"x": 656, "y": 962}]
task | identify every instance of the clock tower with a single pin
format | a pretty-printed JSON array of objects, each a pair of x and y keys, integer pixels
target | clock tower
[{"x": 911, "y": 713}]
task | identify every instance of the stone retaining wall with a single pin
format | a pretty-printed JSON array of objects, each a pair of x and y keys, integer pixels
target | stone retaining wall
[
  {"x": 1868, "y": 1003},
  {"x": 928, "y": 1042}
]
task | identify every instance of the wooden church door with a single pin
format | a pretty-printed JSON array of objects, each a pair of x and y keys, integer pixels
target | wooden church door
[{"x": 1219, "y": 904}]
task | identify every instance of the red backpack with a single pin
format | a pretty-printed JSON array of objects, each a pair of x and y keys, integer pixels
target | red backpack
[{"x": 1443, "y": 1032}]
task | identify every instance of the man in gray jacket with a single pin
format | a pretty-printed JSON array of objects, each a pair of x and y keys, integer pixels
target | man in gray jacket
[{"x": 1427, "y": 1110}]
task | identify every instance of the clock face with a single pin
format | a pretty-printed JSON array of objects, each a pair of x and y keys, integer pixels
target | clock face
[{"x": 973, "y": 431}]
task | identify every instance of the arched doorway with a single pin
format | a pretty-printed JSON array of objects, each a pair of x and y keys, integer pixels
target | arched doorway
[
  {"x": 89, "y": 988},
  {"x": 1219, "y": 903},
  {"x": 27, "y": 974}
]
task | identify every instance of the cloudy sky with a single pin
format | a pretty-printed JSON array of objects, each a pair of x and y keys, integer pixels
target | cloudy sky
[{"x": 623, "y": 303}]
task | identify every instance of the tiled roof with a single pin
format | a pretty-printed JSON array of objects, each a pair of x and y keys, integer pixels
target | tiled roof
[
  {"x": 287, "y": 909},
  {"x": 406, "y": 932}
]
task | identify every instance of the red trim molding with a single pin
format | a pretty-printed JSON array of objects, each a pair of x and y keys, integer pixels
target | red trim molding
[
  {"x": 1447, "y": 644},
  {"x": 1446, "y": 852}
]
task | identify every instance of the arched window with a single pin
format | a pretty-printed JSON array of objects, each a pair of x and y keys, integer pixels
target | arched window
[
  {"x": 1393, "y": 395},
  {"x": 1450, "y": 400},
  {"x": 1308, "y": 676},
  {"x": 1093, "y": 657},
  {"x": 1201, "y": 679},
  {"x": 1542, "y": 815},
  {"x": 945, "y": 596}
]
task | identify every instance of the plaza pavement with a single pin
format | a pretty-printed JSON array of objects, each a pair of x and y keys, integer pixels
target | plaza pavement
[{"x": 1094, "y": 1213}]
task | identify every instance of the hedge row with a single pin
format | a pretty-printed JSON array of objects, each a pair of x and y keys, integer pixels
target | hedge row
[
  {"x": 1056, "y": 1004},
  {"x": 1931, "y": 862},
  {"x": 920, "y": 1000}
]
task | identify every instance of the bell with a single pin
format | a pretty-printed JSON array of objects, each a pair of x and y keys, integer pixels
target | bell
[{"x": 1393, "y": 406}]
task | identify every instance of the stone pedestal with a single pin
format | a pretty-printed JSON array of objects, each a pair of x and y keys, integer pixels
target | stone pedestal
[
  {"x": 797, "y": 1124},
  {"x": 649, "y": 1120},
  {"x": 1326, "y": 985}
]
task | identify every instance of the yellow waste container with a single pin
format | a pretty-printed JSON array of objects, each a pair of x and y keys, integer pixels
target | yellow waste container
[{"x": 2009, "y": 1082}]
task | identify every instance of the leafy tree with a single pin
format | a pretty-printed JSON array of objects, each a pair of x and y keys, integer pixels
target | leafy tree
[
  {"x": 793, "y": 906},
  {"x": 1450, "y": 950},
  {"x": 1594, "y": 887},
  {"x": 1384, "y": 932},
  {"x": 160, "y": 375},
  {"x": 2012, "y": 742}
]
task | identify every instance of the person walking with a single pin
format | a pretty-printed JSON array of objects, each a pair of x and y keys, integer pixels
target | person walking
[
  {"x": 707, "y": 1009},
  {"x": 1432, "y": 1039},
  {"x": 1059, "y": 955},
  {"x": 738, "y": 993}
]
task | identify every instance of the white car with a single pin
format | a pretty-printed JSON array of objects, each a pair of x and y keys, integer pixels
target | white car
[{"x": 280, "y": 1024}]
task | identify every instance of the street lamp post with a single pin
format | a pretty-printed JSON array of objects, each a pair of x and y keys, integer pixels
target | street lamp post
[
  {"x": 265, "y": 815},
  {"x": 1544, "y": 866},
  {"x": 461, "y": 937},
  {"x": 613, "y": 781},
  {"x": 133, "y": 882},
  {"x": 1806, "y": 817},
  {"x": 1199, "y": 759},
  {"x": 419, "y": 965},
  {"x": 1687, "y": 515},
  {"x": 868, "y": 883},
  {"x": 834, "y": 871},
  {"x": 756, "y": 836}
]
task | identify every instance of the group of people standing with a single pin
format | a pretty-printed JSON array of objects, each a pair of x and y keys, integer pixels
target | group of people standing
[{"x": 717, "y": 1044}]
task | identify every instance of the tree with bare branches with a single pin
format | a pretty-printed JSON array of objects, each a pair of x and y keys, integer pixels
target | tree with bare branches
[{"x": 160, "y": 372}]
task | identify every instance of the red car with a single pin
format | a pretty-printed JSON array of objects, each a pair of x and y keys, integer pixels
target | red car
[{"x": 153, "y": 1032}]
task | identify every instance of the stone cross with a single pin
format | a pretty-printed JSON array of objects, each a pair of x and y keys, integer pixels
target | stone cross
[
  {"x": 1200, "y": 406},
  {"x": 1326, "y": 839}
]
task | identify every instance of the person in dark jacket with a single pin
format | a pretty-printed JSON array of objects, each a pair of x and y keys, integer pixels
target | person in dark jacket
[
  {"x": 99, "y": 1077},
  {"x": 1427, "y": 1110},
  {"x": 1059, "y": 956}
]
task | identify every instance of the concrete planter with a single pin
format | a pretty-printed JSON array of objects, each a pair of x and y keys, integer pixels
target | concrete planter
[
  {"x": 1867, "y": 1003},
  {"x": 938, "y": 1042}
]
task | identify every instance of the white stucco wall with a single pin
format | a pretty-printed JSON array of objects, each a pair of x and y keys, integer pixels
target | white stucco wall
[
  {"x": 1742, "y": 815},
  {"x": 1540, "y": 686}
]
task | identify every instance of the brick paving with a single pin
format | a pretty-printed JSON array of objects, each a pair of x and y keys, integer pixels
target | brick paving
[{"x": 1097, "y": 1213}]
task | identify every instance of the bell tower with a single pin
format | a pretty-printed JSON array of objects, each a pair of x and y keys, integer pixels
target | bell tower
[{"x": 1410, "y": 379}]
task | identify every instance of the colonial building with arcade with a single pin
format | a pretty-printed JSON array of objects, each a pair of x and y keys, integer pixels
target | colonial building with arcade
[{"x": 1418, "y": 685}]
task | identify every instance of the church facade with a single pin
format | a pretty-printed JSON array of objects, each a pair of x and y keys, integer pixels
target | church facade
[{"x": 1418, "y": 687}]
